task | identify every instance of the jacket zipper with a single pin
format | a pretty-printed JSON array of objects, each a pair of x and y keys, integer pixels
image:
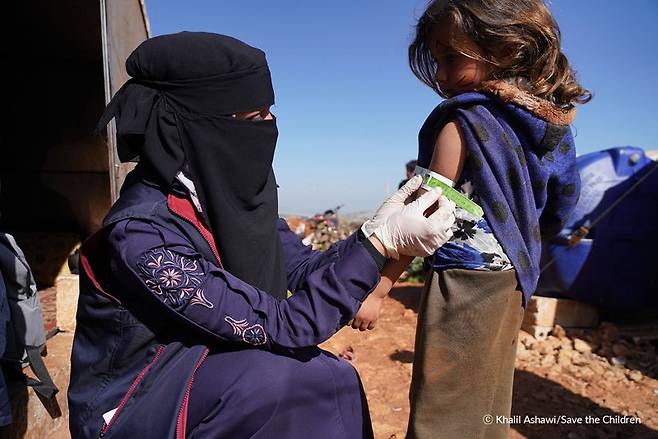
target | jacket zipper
[
  {"x": 181, "y": 423},
  {"x": 131, "y": 390}
]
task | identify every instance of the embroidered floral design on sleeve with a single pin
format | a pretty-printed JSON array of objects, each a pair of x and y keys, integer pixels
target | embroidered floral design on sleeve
[
  {"x": 175, "y": 278},
  {"x": 200, "y": 299},
  {"x": 252, "y": 334}
]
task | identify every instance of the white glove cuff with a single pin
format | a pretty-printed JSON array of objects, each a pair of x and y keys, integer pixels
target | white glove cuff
[
  {"x": 391, "y": 252},
  {"x": 368, "y": 228}
]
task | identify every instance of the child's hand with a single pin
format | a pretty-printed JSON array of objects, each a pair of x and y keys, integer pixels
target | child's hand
[{"x": 368, "y": 314}]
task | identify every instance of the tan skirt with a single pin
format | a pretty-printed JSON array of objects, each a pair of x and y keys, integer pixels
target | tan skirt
[{"x": 468, "y": 324}]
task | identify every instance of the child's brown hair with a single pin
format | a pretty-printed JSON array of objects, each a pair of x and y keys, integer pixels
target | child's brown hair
[{"x": 520, "y": 39}]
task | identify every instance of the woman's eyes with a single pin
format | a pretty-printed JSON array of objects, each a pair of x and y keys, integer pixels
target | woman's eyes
[{"x": 255, "y": 117}]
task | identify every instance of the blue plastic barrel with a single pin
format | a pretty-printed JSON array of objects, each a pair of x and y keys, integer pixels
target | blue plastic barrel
[{"x": 616, "y": 266}]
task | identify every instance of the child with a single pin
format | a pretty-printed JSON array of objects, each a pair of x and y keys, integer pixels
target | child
[{"x": 503, "y": 137}]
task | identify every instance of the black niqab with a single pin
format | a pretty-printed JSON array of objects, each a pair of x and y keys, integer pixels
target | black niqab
[{"x": 177, "y": 109}]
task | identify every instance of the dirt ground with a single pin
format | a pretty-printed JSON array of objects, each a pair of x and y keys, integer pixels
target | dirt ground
[{"x": 577, "y": 375}]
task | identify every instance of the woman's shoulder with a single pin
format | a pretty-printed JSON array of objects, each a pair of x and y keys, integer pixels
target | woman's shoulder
[
  {"x": 132, "y": 238},
  {"x": 140, "y": 200}
]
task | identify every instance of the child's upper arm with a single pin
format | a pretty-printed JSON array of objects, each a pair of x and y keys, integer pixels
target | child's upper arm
[{"x": 449, "y": 152}]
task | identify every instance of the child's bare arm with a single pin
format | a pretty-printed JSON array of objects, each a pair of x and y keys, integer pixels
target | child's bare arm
[
  {"x": 449, "y": 152},
  {"x": 448, "y": 160}
]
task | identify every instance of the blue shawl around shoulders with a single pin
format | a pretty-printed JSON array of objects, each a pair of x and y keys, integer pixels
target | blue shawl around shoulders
[{"x": 521, "y": 158}]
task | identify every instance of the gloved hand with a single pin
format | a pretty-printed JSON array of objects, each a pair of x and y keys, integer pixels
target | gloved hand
[
  {"x": 392, "y": 204},
  {"x": 408, "y": 232}
]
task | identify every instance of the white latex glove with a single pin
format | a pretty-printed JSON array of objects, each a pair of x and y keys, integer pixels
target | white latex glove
[
  {"x": 393, "y": 204},
  {"x": 408, "y": 232}
]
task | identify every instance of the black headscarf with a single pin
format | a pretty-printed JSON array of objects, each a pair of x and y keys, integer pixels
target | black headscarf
[{"x": 176, "y": 110}]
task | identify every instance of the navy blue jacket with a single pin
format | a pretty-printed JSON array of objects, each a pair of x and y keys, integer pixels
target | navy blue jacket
[{"x": 155, "y": 302}]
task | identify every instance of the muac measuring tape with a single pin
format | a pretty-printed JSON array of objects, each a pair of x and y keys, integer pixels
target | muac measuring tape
[{"x": 432, "y": 179}]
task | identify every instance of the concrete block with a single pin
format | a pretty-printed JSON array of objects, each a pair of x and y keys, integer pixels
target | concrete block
[
  {"x": 68, "y": 290},
  {"x": 543, "y": 313}
]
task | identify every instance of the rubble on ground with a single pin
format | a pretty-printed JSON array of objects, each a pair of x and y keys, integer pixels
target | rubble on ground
[
  {"x": 322, "y": 230},
  {"x": 584, "y": 353},
  {"x": 603, "y": 365}
]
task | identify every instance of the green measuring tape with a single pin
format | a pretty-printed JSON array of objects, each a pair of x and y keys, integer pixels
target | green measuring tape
[{"x": 432, "y": 180}]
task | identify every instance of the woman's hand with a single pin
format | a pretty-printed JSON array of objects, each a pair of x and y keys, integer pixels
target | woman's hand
[
  {"x": 408, "y": 232},
  {"x": 393, "y": 204}
]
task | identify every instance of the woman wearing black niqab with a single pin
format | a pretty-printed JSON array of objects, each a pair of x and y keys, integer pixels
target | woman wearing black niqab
[
  {"x": 180, "y": 105},
  {"x": 184, "y": 328}
]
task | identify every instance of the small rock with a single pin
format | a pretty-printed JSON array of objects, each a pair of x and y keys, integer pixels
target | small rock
[
  {"x": 597, "y": 368},
  {"x": 586, "y": 373},
  {"x": 579, "y": 360},
  {"x": 558, "y": 331},
  {"x": 564, "y": 358},
  {"x": 565, "y": 344},
  {"x": 522, "y": 354},
  {"x": 548, "y": 361},
  {"x": 545, "y": 348},
  {"x": 619, "y": 373},
  {"x": 554, "y": 342},
  {"x": 573, "y": 370},
  {"x": 635, "y": 375},
  {"x": 581, "y": 346},
  {"x": 618, "y": 361}
]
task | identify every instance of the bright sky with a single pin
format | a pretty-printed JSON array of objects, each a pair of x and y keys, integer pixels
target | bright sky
[{"x": 349, "y": 108}]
